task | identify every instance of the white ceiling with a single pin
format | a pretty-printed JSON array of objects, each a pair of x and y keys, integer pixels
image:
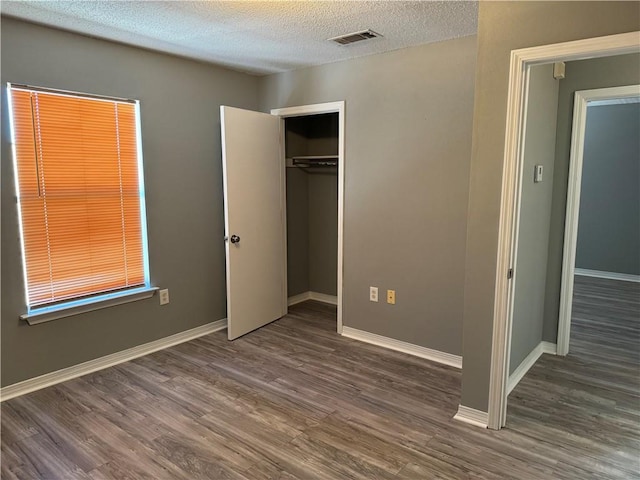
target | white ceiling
[{"x": 259, "y": 37}]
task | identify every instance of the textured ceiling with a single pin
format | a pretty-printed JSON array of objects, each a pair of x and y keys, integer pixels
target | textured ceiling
[{"x": 256, "y": 36}]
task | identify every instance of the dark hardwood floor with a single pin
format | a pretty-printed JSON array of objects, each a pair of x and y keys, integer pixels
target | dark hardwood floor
[
  {"x": 295, "y": 400},
  {"x": 587, "y": 405}
]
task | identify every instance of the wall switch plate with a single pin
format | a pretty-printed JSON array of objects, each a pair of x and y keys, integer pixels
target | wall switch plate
[
  {"x": 537, "y": 174},
  {"x": 391, "y": 297},
  {"x": 373, "y": 294},
  {"x": 164, "y": 296}
]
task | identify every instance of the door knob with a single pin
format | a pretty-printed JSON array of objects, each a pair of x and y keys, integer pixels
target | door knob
[{"x": 235, "y": 239}]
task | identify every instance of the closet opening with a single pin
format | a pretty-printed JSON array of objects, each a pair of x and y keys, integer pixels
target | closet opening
[{"x": 314, "y": 161}]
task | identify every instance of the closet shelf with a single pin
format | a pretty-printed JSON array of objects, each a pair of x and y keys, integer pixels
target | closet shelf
[{"x": 313, "y": 161}]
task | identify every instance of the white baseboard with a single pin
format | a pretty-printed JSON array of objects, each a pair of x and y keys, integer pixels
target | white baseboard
[
  {"x": 323, "y": 297},
  {"x": 550, "y": 348},
  {"x": 302, "y": 297},
  {"x": 528, "y": 362},
  {"x": 472, "y": 416},
  {"x": 59, "y": 376},
  {"x": 626, "y": 277},
  {"x": 411, "y": 349},
  {"x": 320, "y": 297}
]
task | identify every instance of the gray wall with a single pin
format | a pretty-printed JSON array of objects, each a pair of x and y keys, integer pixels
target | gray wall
[
  {"x": 323, "y": 232},
  {"x": 609, "y": 222},
  {"x": 407, "y": 139},
  {"x": 535, "y": 214},
  {"x": 502, "y": 27},
  {"x": 312, "y": 135},
  {"x": 312, "y": 232},
  {"x": 580, "y": 75},
  {"x": 297, "y": 231},
  {"x": 180, "y": 102}
]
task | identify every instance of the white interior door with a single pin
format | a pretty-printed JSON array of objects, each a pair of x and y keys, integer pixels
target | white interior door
[{"x": 255, "y": 243}]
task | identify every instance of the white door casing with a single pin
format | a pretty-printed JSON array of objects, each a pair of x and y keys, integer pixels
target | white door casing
[
  {"x": 582, "y": 99},
  {"x": 521, "y": 61},
  {"x": 317, "y": 109},
  {"x": 253, "y": 177}
]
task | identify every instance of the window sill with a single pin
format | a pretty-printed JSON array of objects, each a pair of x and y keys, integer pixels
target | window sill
[{"x": 46, "y": 314}]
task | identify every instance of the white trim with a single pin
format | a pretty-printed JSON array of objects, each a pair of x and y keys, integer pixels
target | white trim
[
  {"x": 89, "y": 305},
  {"x": 329, "y": 107},
  {"x": 296, "y": 299},
  {"x": 59, "y": 376},
  {"x": 526, "y": 364},
  {"x": 515, "y": 233},
  {"x": 614, "y": 101},
  {"x": 324, "y": 298},
  {"x": 339, "y": 108},
  {"x": 549, "y": 347},
  {"x": 400, "y": 346},
  {"x": 521, "y": 61},
  {"x": 581, "y": 102},
  {"x": 317, "y": 296},
  {"x": 507, "y": 231},
  {"x": 625, "y": 277},
  {"x": 472, "y": 416},
  {"x": 283, "y": 218},
  {"x": 519, "y": 373},
  {"x": 341, "y": 170}
]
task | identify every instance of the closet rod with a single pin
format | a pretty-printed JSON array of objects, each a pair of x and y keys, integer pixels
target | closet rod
[{"x": 314, "y": 161}]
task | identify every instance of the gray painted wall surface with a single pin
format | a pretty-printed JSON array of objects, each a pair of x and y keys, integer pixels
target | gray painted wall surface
[
  {"x": 312, "y": 135},
  {"x": 502, "y": 27},
  {"x": 580, "y": 75},
  {"x": 297, "y": 231},
  {"x": 407, "y": 139},
  {"x": 535, "y": 215},
  {"x": 323, "y": 233},
  {"x": 312, "y": 232},
  {"x": 609, "y": 222},
  {"x": 180, "y": 102}
]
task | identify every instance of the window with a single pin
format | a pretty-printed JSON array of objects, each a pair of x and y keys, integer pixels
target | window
[{"x": 79, "y": 182}]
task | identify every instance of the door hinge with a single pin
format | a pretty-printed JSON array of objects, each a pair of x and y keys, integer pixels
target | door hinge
[{"x": 510, "y": 273}]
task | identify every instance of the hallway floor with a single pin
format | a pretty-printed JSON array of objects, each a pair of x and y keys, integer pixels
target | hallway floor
[{"x": 588, "y": 404}]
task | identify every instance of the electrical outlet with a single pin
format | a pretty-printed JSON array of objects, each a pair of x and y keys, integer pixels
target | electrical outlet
[
  {"x": 373, "y": 294},
  {"x": 391, "y": 297},
  {"x": 164, "y": 296}
]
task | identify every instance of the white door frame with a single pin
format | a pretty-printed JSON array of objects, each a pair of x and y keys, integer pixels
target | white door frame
[
  {"x": 582, "y": 98},
  {"x": 316, "y": 109},
  {"x": 521, "y": 61}
]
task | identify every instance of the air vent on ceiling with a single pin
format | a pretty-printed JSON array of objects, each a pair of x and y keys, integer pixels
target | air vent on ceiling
[{"x": 355, "y": 37}]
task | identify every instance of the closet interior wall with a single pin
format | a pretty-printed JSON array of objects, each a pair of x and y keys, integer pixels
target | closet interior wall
[{"x": 312, "y": 206}]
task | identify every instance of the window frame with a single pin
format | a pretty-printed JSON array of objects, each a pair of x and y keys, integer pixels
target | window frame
[{"x": 96, "y": 301}]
